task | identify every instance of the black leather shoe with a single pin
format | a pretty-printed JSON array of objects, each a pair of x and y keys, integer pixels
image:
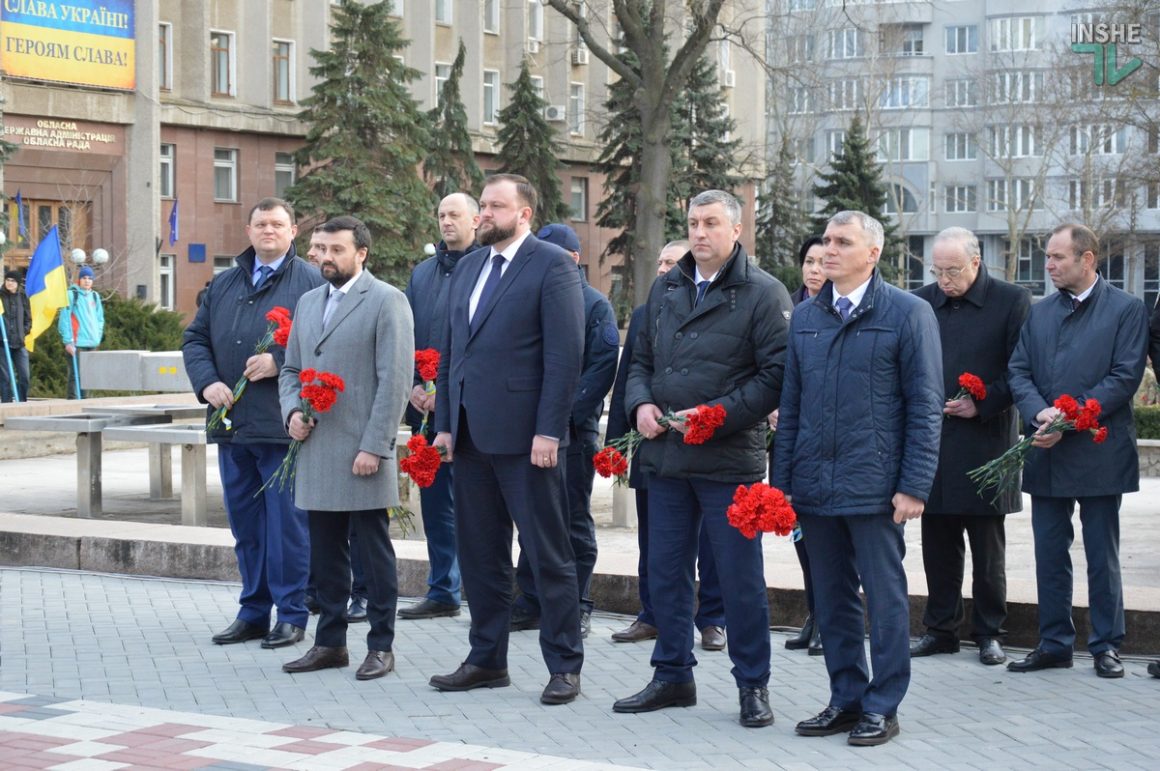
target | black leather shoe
[
  {"x": 318, "y": 657},
  {"x": 1154, "y": 668},
  {"x": 428, "y": 609},
  {"x": 1108, "y": 664},
  {"x": 991, "y": 652},
  {"x": 635, "y": 632},
  {"x": 930, "y": 644},
  {"x": 873, "y": 729},
  {"x": 1037, "y": 659},
  {"x": 713, "y": 638},
  {"x": 376, "y": 664},
  {"x": 585, "y": 624},
  {"x": 755, "y": 711},
  {"x": 816, "y": 641},
  {"x": 658, "y": 695},
  {"x": 283, "y": 634},
  {"x": 357, "y": 611},
  {"x": 562, "y": 688},
  {"x": 828, "y": 722},
  {"x": 469, "y": 676},
  {"x": 522, "y": 621},
  {"x": 239, "y": 631},
  {"x": 802, "y": 638},
  {"x": 312, "y": 605}
]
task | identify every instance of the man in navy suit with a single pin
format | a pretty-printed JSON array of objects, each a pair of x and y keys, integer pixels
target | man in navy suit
[{"x": 512, "y": 358}]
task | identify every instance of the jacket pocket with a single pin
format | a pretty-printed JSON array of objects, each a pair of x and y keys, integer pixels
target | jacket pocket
[{"x": 524, "y": 383}]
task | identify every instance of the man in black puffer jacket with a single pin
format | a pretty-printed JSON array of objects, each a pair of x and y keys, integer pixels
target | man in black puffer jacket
[
  {"x": 715, "y": 334},
  {"x": 273, "y": 544}
]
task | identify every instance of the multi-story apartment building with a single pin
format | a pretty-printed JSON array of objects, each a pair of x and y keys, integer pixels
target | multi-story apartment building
[
  {"x": 134, "y": 107},
  {"x": 983, "y": 117}
]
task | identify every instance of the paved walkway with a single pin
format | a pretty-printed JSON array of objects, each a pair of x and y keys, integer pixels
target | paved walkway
[{"x": 93, "y": 665}]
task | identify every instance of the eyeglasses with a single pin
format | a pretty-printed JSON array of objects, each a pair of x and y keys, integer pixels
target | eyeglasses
[{"x": 951, "y": 273}]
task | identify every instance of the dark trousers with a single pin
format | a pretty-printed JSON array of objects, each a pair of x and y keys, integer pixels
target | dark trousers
[
  {"x": 803, "y": 556},
  {"x": 491, "y": 493},
  {"x": 944, "y": 560},
  {"x": 20, "y": 365},
  {"x": 710, "y": 603},
  {"x": 358, "y": 579},
  {"x": 1051, "y": 526},
  {"x": 846, "y": 551},
  {"x": 438, "y": 504},
  {"x": 578, "y": 476},
  {"x": 271, "y": 537},
  {"x": 330, "y": 555},
  {"x": 679, "y": 511},
  {"x": 74, "y": 373}
]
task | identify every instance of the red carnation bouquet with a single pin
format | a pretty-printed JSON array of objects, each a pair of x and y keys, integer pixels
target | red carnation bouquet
[
  {"x": 702, "y": 423},
  {"x": 760, "y": 508},
  {"x": 422, "y": 464},
  {"x": 972, "y": 386},
  {"x": 277, "y": 333},
  {"x": 427, "y": 363},
  {"x": 1002, "y": 473},
  {"x": 318, "y": 394}
]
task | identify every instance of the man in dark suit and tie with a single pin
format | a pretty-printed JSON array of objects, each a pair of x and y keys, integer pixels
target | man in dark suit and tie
[{"x": 511, "y": 364}]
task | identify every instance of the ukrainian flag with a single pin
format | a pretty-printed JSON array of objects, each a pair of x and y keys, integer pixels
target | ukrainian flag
[{"x": 46, "y": 285}]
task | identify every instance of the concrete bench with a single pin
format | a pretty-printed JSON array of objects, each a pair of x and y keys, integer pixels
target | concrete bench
[{"x": 162, "y": 437}]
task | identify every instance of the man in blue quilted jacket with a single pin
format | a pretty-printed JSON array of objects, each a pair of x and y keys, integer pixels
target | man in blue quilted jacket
[{"x": 857, "y": 448}]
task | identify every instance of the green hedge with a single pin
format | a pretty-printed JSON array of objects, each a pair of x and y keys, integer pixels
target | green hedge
[
  {"x": 1148, "y": 422},
  {"x": 129, "y": 325}
]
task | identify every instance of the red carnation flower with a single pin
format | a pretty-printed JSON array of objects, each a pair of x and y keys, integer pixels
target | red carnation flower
[
  {"x": 332, "y": 381},
  {"x": 1068, "y": 406},
  {"x": 307, "y": 375},
  {"x": 760, "y": 508},
  {"x": 609, "y": 462},
  {"x": 422, "y": 464},
  {"x": 1101, "y": 435},
  {"x": 277, "y": 315},
  {"x": 427, "y": 362},
  {"x": 703, "y": 422},
  {"x": 973, "y": 385}
]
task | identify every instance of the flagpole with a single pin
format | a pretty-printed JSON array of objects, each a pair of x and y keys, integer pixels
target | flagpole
[
  {"x": 8, "y": 357},
  {"x": 77, "y": 371}
]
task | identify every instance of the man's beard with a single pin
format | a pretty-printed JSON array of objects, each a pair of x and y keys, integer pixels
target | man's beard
[
  {"x": 493, "y": 234},
  {"x": 338, "y": 279}
]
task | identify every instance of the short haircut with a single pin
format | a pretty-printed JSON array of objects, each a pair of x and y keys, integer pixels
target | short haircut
[
  {"x": 966, "y": 240},
  {"x": 1083, "y": 239},
  {"x": 680, "y": 243},
  {"x": 358, "y": 229},
  {"x": 271, "y": 203},
  {"x": 524, "y": 189},
  {"x": 472, "y": 204},
  {"x": 710, "y": 197},
  {"x": 870, "y": 226},
  {"x": 808, "y": 244}
]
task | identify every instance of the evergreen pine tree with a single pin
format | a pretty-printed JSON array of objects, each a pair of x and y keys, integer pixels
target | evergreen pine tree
[
  {"x": 6, "y": 151},
  {"x": 619, "y": 162},
  {"x": 782, "y": 225},
  {"x": 528, "y": 147},
  {"x": 854, "y": 183},
  {"x": 366, "y": 139},
  {"x": 450, "y": 165}
]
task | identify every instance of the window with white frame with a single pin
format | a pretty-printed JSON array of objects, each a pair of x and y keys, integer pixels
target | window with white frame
[
  {"x": 902, "y": 39},
  {"x": 442, "y": 73},
  {"x": 1098, "y": 139},
  {"x": 848, "y": 43},
  {"x": 443, "y": 11},
  {"x": 835, "y": 143},
  {"x": 1014, "y": 33},
  {"x": 904, "y": 144},
  {"x": 801, "y": 48},
  {"x": 1152, "y": 195},
  {"x": 1030, "y": 261},
  {"x": 579, "y": 198},
  {"x": 225, "y": 174},
  {"x": 903, "y": 92},
  {"x": 900, "y": 197},
  {"x": 283, "y": 53},
  {"x": 846, "y": 93},
  {"x": 799, "y": 100},
  {"x": 961, "y": 146},
  {"x": 222, "y": 263},
  {"x": 165, "y": 56},
  {"x": 1013, "y": 141},
  {"x": 962, "y": 93},
  {"x": 491, "y": 10},
  {"x": 537, "y": 85},
  {"x": 576, "y": 111},
  {"x": 803, "y": 150},
  {"x": 221, "y": 58},
  {"x": 1012, "y": 194},
  {"x": 959, "y": 199},
  {"x": 1114, "y": 266},
  {"x": 396, "y": 7},
  {"x": 285, "y": 172},
  {"x": 1151, "y": 273},
  {"x": 963, "y": 39},
  {"x": 490, "y": 96},
  {"x": 535, "y": 20},
  {"x": 165, "y": 263},
  {"x": 724, "y": 59},
  {"x": 1016, "y": 87},
  {"x": 166, "y": 185}
]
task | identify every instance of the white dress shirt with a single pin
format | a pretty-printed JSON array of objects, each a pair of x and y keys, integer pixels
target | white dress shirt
[
  {"x": 854, "y": 296},
  {"x": 508, "y": 255}
]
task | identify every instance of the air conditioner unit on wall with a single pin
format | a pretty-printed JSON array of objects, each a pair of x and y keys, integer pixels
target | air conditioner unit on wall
[
  {"x": 580, "y": 55},
  {"x": 730, "y": 79},
  {"x": 555, "y": 113}
]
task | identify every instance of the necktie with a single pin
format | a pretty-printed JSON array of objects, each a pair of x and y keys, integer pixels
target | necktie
[
  {"x": 702, "y": 287},
  {"x": 331, "y": 304},
  {"x": 844, "y": 307},
  {"x": 488, "y": 286},
  {"x": 264, "y": 272},
  {"x": 1075, "y": 303}
]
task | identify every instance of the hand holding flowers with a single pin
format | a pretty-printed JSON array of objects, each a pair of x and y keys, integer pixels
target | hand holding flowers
[
  {"x": 318, "y": 394},
  {"x": 277, "y": 333},
  {"x": 698, "y": 426}
]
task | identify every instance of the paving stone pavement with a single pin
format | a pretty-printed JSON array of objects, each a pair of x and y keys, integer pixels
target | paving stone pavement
[{"x": 137, "y": 642}]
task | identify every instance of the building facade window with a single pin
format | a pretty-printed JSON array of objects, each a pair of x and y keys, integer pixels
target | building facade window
[
  {"x": 962, "y": 93},
  {"x": 576, "y": 110},
  {"x": 801, "y": 48},
  {"x": 443, "y": 11},
  {"x": 963, "y": 39},
  {"x": 222, "y": 263},
  {"x": 538, "y": 85},
  {"x": 1015, "y": 33},
  {"x": 221, "y": 59},
  {"x": 835, "y": 143},
  {"x": 905, "y": 92},
  {"x": 165, "y": 56},
  {"x": 397, "y": 7},
  {"x": 899, "y": 199},
  {"x": 1030, "y": 261},
  {"x": 1012, "y": 194},
  {"x": 847, "y": 94},
  {"x": 579, "y": 199},
  {"x": 915, "y": 262},
  {"x": 1151, "y": 273},
  {"x": 168, "y": 288},
  {"x": 802, "y": 150},
  {"x": 848, "y": 43},
  {"x": 959, "y": 199},
  {"x": 442, "y": 73},
  {"x": 1097, "y": 139},
  {"x": 285, "y": 173},
  {"x": 535, "y": 22},
  {"x": 283, "y": 51},
  {"x": 961, "y": 146},
  {"x": 800, "y": 99},
  {"x": 1018, "y": 87},
  {"x": 166, "y": 184},
  {"x": 490, "y": 96},
  {"x": 904, "y": 144},
  {"x": 1013, "y": 141},
  {"x": 902, "y": 39},
  {"x": 491, "y": 16},
  {"x": 225, "y": 174}
]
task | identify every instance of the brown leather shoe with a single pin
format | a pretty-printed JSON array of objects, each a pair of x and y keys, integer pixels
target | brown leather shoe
[
  {"x": 637, "y": 631},
  {"x": 376, "y": 664},
  {"x": 713, "y": 638},
  {"x": 562, "y": 688},
  {"x": 469, "y": 676},
  {"x": 318, "y": 657}
]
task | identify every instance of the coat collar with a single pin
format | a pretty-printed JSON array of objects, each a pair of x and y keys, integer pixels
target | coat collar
[
  {"x": 976, "y": 294},
  {"x": 875, "y": 292},
  {"x": 734, "y": 271}
]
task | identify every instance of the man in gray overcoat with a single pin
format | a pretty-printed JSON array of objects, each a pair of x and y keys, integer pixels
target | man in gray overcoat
[{"x": 360, "y": 329}]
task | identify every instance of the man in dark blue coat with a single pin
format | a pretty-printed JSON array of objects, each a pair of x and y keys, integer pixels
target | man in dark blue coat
[
  {"x": 271, "y": 533},
  {"x": 1089, "y": 341},
  {"x": 506, "y": 385},
  {"x": 427, "y": 293},
  {"x": 857, "y": 448},
  {"x": 601, "y": 344},
  {"x": 979, "y": 318}
]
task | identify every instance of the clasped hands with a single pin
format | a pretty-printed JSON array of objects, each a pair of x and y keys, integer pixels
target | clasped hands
[{"x": 649, "y": 415}]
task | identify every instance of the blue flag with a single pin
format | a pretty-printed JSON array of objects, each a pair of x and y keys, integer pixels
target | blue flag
[
  {"x": 20, "y": 215},
  {"x": 173, "y": 223}
]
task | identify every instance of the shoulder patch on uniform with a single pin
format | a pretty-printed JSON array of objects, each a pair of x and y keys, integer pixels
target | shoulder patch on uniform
[
  {"x": 610, "y": 335},
  {"x": 787, "y": 314}
]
